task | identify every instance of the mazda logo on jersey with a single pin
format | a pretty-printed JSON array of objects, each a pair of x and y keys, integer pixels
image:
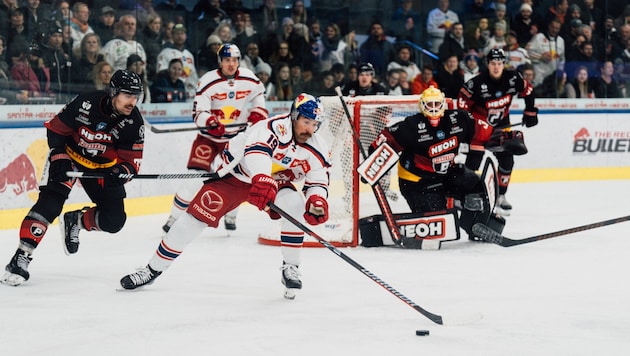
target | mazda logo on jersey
[
  {"x": 203, "y": 151},
  {"x": 211, "y": 201},
  {"x": 425, "y": 228}
]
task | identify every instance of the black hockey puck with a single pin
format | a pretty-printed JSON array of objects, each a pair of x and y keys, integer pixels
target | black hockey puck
[{"x": 422, "y": 332}]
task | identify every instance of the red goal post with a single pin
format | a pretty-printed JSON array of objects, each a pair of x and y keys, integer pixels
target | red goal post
[{"x": 348, "y": 198}]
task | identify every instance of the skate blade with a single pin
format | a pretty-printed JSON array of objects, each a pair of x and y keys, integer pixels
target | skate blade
[
  {"x": 289, "y": 294},
  {"x": 11, "y": 279}
]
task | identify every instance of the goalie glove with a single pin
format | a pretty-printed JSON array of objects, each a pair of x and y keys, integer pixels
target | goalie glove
[
  {"x": 264, "y": 189},
  {"x": 530, "y": 117},
  {"x": 316, "y": 210}
]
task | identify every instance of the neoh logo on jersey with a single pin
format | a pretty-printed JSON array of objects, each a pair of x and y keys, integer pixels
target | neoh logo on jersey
[
  {"x": 95, "y": 136},
  {"x": 444, "y": 146},
  {"x": 425, "y": 228},
  {"x": 499, "y": 103}
]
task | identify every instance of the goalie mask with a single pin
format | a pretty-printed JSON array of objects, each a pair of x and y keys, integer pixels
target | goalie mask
[
  {"x": 432, "y": 105},
  {"x": 308, "y": 106}
]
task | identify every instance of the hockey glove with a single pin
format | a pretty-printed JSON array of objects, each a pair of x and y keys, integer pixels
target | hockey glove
[
  {"x": 263, "y": 190},
  {"x": 119, "y": 174},
  {"x": 316, "y": 210},
  {"x": 60, "y": 163},
  {"x": 530, "y": 117},
  {"x": 216, "y": 127}
]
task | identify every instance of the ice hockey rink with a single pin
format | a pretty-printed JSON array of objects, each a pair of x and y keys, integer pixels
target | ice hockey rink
[{"x": 567, "y": 295}]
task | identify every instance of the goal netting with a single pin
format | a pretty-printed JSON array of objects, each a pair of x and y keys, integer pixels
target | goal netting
[{"x": 349, "y": 199}]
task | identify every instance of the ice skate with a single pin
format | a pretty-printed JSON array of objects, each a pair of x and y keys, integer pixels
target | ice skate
[
  {"x": 17, "y": 269},
  {"x": 70, "y": 225},
  {"x": 141, "y": 277},
  {"x": 229, "y": 222},
  {"x": 290, "y": 279},
  {"x": 503, "y": 207}
]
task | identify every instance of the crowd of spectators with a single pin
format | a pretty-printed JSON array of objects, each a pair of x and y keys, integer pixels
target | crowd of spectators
[{"x": 53, "y": 50}]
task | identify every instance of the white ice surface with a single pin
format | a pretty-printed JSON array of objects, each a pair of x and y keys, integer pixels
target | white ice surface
[{"x": 563, "y": 296}]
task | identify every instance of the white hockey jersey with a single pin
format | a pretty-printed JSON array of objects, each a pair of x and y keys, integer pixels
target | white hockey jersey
[
  {"x": 189, "y": 76},
  {"x": 268, "y": 147},
  {"x": 117, "y": 50},
  {"x": 231, "y": 100}
]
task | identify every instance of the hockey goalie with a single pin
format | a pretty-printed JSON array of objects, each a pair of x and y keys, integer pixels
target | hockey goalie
[{"x": 443, "y": 196}]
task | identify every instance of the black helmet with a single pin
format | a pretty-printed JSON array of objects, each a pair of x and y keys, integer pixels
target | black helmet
[
  {"x": 366, "y": 67},
  {"x": 125, "y": 81},
  {"x": 496, "y": 54}
]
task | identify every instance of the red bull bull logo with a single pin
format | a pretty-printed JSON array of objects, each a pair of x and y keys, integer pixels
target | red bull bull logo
[{"x": 18, "y": 176}]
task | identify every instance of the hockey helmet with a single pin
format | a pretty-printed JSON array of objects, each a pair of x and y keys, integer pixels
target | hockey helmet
[
  {"x": 308, "y": 106},
  {"x": 228, "y": 50},
  {"x": 432, "y": 104},
  {"x": 496, "y": 54},
  {"x": 366, "y": 67},
  {"x": 125, "y": 81}
]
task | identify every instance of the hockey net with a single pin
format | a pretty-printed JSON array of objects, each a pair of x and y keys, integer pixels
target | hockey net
[{"x": 348, "y": 198}]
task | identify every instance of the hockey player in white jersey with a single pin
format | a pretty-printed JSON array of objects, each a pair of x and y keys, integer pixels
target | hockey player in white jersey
[
  {"x": 265, "y": 161},
  {"x": 227, "y": 95}
]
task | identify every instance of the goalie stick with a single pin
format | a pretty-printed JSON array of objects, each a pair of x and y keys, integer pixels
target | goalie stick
[
  {"x": 196, "y": 128},
  {"x": 379, "y": 193},
  {"x": 438, "y": 319},
  {"x": 490, "y": 235}
]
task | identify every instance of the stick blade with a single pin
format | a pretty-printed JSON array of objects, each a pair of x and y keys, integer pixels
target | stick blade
[{"x": 487, "y": 234}]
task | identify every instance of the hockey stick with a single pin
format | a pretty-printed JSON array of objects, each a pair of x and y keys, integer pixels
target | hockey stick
[
  {"x": 438, "y": 319},
  {"x": 490, "y": 235},
  {"x": 196, "y": 128},
  {"x": 73, "y": 174},
  {"x": 376, "y": 188}
]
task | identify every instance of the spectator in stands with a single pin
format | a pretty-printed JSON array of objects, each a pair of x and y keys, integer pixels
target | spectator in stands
[
  {"x": 207, "y": 58},
  {"x": 18, "y": 35},
  {"x": 605, "y": 85},
  {"x": 284, "y": 91},
  {"x": 580, "y": 86},
  {"x": 167, "y": 30},
  {"x": 329, "y": 50},
  {"x": 423, "y": 80},
  {"x": 352, "y": 74},
  {"x": 528, "y": 72},
  {"x": 4, "y": 65},
  {"x": 61, "y": 12},
  {"x": 79, "y": 25},
  {"x": 352, "y": 55},
  {"x": 36, "y": 17},
  {"x": 557, "y": 11},
  {"x": 405, "y": 84},
  {"x": 144, "y": 9},
  {"x": 553, "y": 86},
  {"x": 454, "y": 43},
  {"x": 150, "y": 39},
  {"x": 28, "y": 73},
  {"x": 178, "y": 50},
  {"x": 623, "y": 18},
  {"x": 593, "y": 16},
  {"x": 117, "y": 50},
  {"x": 325, "y": 84},
  {"x": 59, "y": 62},
  {"x": 266, "y": 21},
  {"x": 281, "y": 55},
  {"x": 136, "y": 64},
  {"x": 298, "y": 44},
  {"x": 298, "y": 12},
  {"x": 404, "y": 61},
  {"x": 339, "y": 74},
  {"x": 245, "y": 32},
  {"x": 101, "y": 74},
  {"x": 295, "y": 76},
  {"x": 585, "y": 58},
  {"x": 104, "y": 27},
  {"x": 525, "y": 24},
  {"x": 263, "y": 72},
  {"x": 547, "y": 52},
  {"x": 252, "y": 58},
  {"x": 449, "y": 77},
  {"x": 225, "y": 32},
  {"x": 572, "y": 19},
  {"x": 86, "y": 56},
  {"x": 172, "y": 10},
  {"x": 514, "y": 53},
  {"x": 377, "y": 49},
  {"x": 168, "y": 86},
  {"x": 473, "y": 38},
  {"x": 500, "y": 16},
  {"x": 439, "y": 21},
  {"x": 405, "y": 23},
  {"x": 7, "y": 95},
  {"x": 6, "y": 7},
  {"x": 392, "y": 82},
  {"x": 314, "y": 30},
  {"x": 497, "y": 40},
  {"x": 470, "y": 65},
  {"x": 618, "y": 43}
]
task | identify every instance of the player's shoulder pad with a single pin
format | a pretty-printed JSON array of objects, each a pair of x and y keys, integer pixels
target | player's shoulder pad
[
  {"x": 281, "y": 127},
  {"x": 246, "y": 73},
  {"x": 320, "y": 146}
]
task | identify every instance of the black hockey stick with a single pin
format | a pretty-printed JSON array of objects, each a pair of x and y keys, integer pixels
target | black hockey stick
[
  {"x": 379, "y": 193},
  {"x": 196, "y": 128},
  {"x": 490, "y": 235},
  {"x": 144, "y": 176},
  {"x": 438, "y": 319}
]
